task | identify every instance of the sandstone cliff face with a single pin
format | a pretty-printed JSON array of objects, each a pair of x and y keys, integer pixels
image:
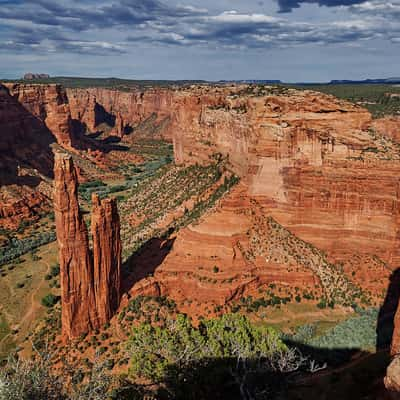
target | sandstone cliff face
[
  {"x": 90, "y": 286},
  {"x": 389, "y": 127},
  {"x": 312, "y": 163},
  {"x": 24, "y": 139},
  {"x": 305, "y": 156},
  {"x": 49, "y": 103},
  {"x": 123, "y": 109},
  {"x": 25, "y": 161},
  {"x": 289, "y": 126}
]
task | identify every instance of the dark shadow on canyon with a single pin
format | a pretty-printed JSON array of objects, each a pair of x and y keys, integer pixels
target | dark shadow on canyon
[
  {"x": 91, "y": 141},
  {"x": 222, "y": 379},
  {"x": 128, "y": 130},
  {"x": 144, "y": 262},
  {"x": 102, "y": 115},
  {"x": 385, "y": 323},
  {"x": 24, "y": 143}
]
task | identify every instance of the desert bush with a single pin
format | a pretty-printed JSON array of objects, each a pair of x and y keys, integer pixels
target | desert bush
[
  {"x": 50, "y": 300},
  {"x": 29, "y": 380},
  {"x": 226, "y": 353},
  {"x": 55, "y": 270}
]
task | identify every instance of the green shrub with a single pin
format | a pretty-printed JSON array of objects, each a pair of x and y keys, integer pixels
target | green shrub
[
  {"x": 55, "y": 270},
  {"x": 154, "y": 349},
  {"x": 50, "y": 300}
]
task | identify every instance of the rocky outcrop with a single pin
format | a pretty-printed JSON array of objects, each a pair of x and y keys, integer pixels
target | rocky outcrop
[
  {"x": 388, "y": 126},
  {"x": 77, "y": 280},
  {"x": 119, "y": 127},
  {"x": 30, "y": 76},
  {"x": 48, "y": 103},
  {"x": 26, "y": 161},
  {"x": 26, "y": 205},
  {"x": 313, "y": 164},
  {"x": 90, "y": 286},
  {"x": 392, "y": 378},
  {"x": 106, "y": 256}
]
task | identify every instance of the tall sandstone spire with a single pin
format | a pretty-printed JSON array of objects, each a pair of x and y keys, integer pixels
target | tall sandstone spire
[
  {"x": 90, "y": 285},
  {"x": 106, "y": 256}
]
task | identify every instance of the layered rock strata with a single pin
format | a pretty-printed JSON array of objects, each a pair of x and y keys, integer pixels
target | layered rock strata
[
  {"x": 26, "y": 160},
  {"x": 48, "y": 103},
  {"x": 313, "y": 164},
  {"x": 90, "y": 285},
  {"x": 123, "y": 109}
]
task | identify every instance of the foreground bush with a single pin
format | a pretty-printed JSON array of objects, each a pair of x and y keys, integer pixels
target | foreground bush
[
  {"x": 37, "y": 380},
  {"x": 227, "y": 357},
  {"x": 28, "y": 380}
]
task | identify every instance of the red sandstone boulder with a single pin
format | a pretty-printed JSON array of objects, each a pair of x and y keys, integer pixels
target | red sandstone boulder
[{"x": 392, "y": 379}]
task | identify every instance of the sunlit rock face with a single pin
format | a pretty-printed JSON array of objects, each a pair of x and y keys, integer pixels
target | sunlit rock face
[
  {"x": 106, "y": 256},
  {"x": 90, "y": 285},
  {"x": 32, "y": 119},
  {"x": 308, "y": 158},
  {"x": 48, "y": 103},
  {"x": 310, "y": 161},
  {"x": 125, "y": 111}
]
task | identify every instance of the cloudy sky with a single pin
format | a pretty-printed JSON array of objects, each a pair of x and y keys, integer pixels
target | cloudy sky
[{"x": 291, "y": 40}]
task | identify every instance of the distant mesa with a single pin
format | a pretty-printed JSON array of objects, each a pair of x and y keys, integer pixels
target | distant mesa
[
  {"x": 366, "y": 81},
  {"x": 30, "y": 76},
  {"x": 254, "y": 81}
]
